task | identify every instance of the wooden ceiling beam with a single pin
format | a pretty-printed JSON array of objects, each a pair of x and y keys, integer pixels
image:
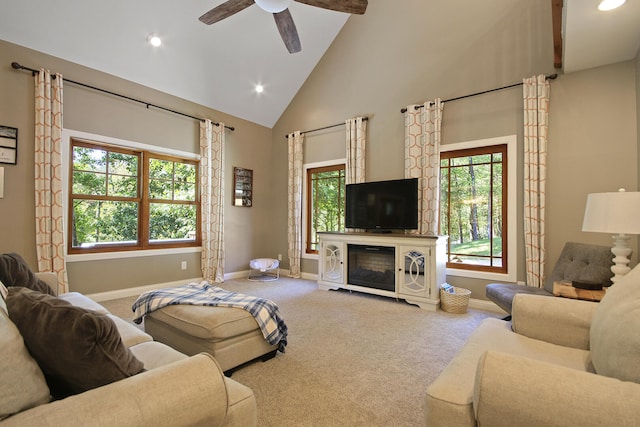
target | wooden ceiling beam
[{"x": 556, "y": 19}]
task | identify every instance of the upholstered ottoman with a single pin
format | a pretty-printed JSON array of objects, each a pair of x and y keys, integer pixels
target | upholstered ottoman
[{"x": 231, "y": 335}]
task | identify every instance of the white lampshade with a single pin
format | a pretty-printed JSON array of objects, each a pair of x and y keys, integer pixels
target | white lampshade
[
  {"x": 273, "y": 6},
  {"x": 615, "y": 212}
]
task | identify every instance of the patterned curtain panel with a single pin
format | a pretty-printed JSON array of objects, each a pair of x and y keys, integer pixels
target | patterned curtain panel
[
  {"x": 422, "y": 160},
  {"x": 294, "y": 217},
  {"x": 356, "y": 144},
  {"x": 212, "y": 200},
  {"x": 536, "y": 111},
  {"x": 50, "y": 248}
]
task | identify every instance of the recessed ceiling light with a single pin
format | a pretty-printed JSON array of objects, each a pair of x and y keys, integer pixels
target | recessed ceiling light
[
  {"x": 154, "y": 40},
  {"x": 259, "y": 88},
  {"x": 610, "y": 4}
]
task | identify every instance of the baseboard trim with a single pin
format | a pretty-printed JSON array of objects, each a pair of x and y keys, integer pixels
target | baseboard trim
[
  {"x": 310, "y": 276},
  {"x": 243, "y": 274},
  {"x": 129, "y": 292}
]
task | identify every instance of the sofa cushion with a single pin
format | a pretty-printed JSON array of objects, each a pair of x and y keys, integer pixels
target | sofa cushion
[
  {"x": 77, "y": 349},
  {"x": 154, "y": 354},
  {"x": 14, "y": 271},
  {"x": 23, "y": 384},
  {"x": 79, "y": 300},
  {"x": 615, "y": 343},
  {"x": 129, "y": 334},
  {"x": 450, "y": 397}
]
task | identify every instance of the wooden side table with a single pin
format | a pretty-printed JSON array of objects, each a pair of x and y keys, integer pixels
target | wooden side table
[{"x": 564, "y": 289}]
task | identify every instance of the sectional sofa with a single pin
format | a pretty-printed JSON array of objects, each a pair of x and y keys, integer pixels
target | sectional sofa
[{"x": 65, "y": 360}]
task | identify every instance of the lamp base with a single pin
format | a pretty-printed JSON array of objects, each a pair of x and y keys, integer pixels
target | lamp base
[{"x": 621, "y": 252}]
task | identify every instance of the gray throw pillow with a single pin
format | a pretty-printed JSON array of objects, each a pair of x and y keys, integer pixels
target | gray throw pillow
[
  {"x": 615, "y": 342},
  {"x": 77, "y": 349}
]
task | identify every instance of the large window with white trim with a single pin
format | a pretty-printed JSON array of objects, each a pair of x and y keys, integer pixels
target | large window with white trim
[
  {"x": 478, "y": 208},
  {"x": 130, "y": 199},
  {"x": 325, "y": 193},
  {"x": 473, "y": 206}
]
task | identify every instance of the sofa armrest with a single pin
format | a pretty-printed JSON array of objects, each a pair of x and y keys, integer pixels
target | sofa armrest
[
  {"x": 191, "y": 391},
  {"x": 517, "y": 391},
  {"x": 556, "y": 320},
  {"x": 50, "y": 278}
]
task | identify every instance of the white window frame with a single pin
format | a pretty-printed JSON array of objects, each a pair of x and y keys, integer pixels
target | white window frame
[
  {"x": 512, "y": 212},
  {"x": 305, "y": 196},
  {"x": 67, "y": 135}
]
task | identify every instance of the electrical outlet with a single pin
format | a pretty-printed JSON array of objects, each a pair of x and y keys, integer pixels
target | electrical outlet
[
  {"x": 183, "y": 265},
  {"x": 279, "y": 257}
]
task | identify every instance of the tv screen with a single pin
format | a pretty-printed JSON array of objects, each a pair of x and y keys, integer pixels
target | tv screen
[{"x": 382, "y": 205}]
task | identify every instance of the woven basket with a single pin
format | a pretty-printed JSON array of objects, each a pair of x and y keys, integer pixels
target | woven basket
[{"x": 456, "y": 302}]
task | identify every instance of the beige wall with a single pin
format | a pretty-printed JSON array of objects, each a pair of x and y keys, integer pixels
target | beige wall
[
  {"x": 378, "y": 64},
  {"x": 593, "y": 147},
  {"x": 249, "y": 146},
  {"x": 638, "y": 105},
  {"x": 382, "y": 63}
]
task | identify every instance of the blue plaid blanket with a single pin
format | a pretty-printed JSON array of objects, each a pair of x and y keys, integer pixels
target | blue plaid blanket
[{"x": 265, "y": 311}]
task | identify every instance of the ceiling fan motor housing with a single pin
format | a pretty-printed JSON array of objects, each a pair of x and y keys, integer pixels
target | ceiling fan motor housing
[{"x": 273, "y": 6}]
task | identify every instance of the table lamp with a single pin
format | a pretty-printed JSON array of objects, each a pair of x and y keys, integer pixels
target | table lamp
[{"x": 616, "y": 213}]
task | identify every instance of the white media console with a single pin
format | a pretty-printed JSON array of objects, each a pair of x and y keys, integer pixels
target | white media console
[{"x": 403, "y": 266}]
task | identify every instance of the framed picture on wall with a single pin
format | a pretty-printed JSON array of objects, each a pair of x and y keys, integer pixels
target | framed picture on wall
[
  {"x": 8, "y": 145},
  {"x": 242, "y": 187}
]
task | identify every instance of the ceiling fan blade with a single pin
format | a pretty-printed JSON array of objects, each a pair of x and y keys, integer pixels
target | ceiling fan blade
[
  {"x": 357, "y": 7},
  {"x": 225, "y": 10},
  {"x": 288, "y": 31}
]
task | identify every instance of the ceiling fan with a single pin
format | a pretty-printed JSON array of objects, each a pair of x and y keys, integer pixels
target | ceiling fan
[{"x": 281, "y": 14}]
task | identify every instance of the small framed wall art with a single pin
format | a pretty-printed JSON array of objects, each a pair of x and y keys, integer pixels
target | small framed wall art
[
  {"x": 8, "y": 145},
  {"x": 242, "y": 187}
]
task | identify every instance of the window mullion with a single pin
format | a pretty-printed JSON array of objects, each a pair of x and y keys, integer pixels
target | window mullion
[{"x": 143, "y": 208}]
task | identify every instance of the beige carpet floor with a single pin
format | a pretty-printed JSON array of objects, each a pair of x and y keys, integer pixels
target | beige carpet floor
[{"x": 352, "y": 359}]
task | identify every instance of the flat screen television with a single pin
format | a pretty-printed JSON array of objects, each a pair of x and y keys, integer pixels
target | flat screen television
[{"x": 382, "y": 206}]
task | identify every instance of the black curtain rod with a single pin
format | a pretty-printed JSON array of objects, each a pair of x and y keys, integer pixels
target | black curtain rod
[
  {"x": 17, "y": 66},
  {"x": 417, "y": 107},
  {"x": 327, "y": 127}
]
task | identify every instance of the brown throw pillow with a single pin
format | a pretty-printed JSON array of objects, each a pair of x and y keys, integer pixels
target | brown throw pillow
[
  {"x": 14, "y": 271},
  {"x": 77, "y": 349}
]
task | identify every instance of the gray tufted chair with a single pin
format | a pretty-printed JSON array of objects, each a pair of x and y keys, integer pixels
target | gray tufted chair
[{"x": 577, "y": 261}]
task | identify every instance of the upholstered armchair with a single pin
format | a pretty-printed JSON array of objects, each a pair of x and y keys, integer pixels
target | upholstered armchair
[
  {"x": 560, "y": 362},
  {"x": 577, "y": 261}
]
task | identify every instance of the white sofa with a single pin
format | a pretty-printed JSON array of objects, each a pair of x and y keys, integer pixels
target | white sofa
[
  {"x": 174, "y": 389},
  {"x": 561, "y": 362}
]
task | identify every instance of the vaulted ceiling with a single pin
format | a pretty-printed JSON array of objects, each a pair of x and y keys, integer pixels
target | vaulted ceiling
[{"x": 219, "y": 65}]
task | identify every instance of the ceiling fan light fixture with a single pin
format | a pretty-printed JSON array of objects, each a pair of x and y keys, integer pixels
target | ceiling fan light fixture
[
  {"x": 610, "y": 4},
  {"x": 273, "y": 6}
]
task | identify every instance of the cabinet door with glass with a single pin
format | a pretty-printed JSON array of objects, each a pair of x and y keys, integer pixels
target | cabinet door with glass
[
  {"x": 332, "y": 266},
  {"x": 413, "y": 271}
]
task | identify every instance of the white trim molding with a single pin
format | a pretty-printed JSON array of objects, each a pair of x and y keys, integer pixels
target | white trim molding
[
  {"x": 512, "y": 199},
  {"x": 129, "y": 292},
  {"x": 305, "y": 167}
]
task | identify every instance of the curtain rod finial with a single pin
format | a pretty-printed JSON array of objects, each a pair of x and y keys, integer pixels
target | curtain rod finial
[{"x": 16, "y": 66}]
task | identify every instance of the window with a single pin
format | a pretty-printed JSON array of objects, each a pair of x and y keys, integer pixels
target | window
[
  {"x": 325, "y": 202},
  {"x": 127, "y": 199},
  {"x": 473, "y": 207}
]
